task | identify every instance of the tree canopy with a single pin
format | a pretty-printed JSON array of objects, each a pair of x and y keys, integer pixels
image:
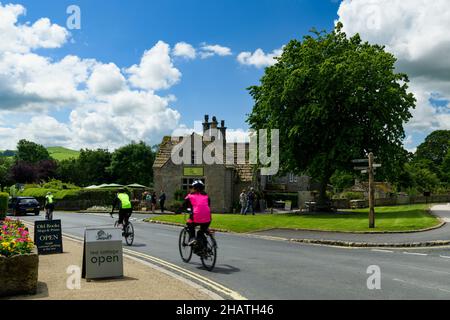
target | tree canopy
[
  {"x": 31, "y": 152},
  {"x": 133, "y": 164},
  {"x": 334, "y": 99}
]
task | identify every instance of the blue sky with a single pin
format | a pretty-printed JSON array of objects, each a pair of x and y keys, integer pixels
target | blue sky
[{"x": 119, "y": 32}]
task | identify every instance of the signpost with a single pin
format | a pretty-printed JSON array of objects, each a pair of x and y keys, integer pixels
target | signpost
[
  {"x": 288, "y": 205},
  {"x": 102, "y": 254},
  {"x": 48, "y": 237},
  {"x": 370, "y": 169}
]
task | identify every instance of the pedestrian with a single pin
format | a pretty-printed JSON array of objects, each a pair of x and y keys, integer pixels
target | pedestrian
[
  {"x": 162, "y": 200},
  {"x": 153, "y": 202},
  {"x": 148, "y": 201},
  {"x": 250, "y": 202},
  {"x": 243, "y": 201}
]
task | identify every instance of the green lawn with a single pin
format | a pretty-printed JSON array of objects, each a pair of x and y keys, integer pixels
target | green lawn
[
  {"x": 400, "y": 218},
  {"x": 60, "y": 153}
]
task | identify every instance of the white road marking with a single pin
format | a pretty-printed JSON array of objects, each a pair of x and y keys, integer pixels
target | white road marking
[
  {"x": 380, "y": 250},
  {"x": 445, "y": 257},
  {"x": 421, "y": 286},
  {"x": 415, "y": 254}
]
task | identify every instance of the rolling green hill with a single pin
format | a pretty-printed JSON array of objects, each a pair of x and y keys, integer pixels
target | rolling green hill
[
  {"x": 57, "y": 153},
  {"x": 60, "y": 153}
]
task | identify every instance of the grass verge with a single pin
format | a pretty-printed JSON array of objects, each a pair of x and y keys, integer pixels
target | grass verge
[{"x": 388, "y": 219}]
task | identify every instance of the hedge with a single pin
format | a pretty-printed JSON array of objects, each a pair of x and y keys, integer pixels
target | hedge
[
  {"x": 4, "y": 198},
  {"x": 106, "y": 195}
]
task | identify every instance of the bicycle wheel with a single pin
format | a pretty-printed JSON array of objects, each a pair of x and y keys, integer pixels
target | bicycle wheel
[
  {"x": 185, "y": 249},
  {"x": 209, "y": 257},
  {"x": 129, "y": 234}
]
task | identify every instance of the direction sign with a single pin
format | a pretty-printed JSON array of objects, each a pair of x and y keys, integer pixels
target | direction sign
[
  {"x": 361, "y": 168},
  {"x": 377, "y": 165},
  {"x": 360, "y": 161}
]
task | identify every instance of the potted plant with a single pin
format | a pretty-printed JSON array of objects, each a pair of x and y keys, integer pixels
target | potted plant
[{"x": 19, "y": 261}]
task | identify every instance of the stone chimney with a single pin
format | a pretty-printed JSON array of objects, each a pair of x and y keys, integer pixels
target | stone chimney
[
  {"x": 223, "y": 130},
  {"x": 214, "y": 123},
  {"x": 206, "y": 124}
]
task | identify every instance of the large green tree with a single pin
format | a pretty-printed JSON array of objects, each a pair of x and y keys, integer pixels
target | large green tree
[
  {"x": 445, "y": 168},
  {"x": 92, "y": 167},
  {"x": 31, "y": 152},
  {"x": 133, "y": 164},
  {"x": 434, "y": 150},
  {"x": 5, "y": 167},
  {"x": 334, "y": 99}
]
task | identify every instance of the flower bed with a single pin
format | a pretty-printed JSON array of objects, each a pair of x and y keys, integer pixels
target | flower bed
[
  {"x": 14, "y": 239},
  {"x": 19, "y": 261}
]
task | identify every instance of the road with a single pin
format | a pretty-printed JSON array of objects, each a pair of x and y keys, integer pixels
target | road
[{"x": 259, "y": 268}]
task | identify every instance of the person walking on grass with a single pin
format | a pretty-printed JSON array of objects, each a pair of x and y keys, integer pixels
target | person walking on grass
[
  {"x": 250, "y": 202},
  {"x": 243, "y": 201}
]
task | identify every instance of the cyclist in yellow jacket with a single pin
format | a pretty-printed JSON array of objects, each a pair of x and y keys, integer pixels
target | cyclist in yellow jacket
[{"x": 122, "y": 201}]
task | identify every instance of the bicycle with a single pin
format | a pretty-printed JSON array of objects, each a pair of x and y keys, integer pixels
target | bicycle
[
  {"x": 128, "y": 231},
  {"x": 49, "y": 214},
  {"x": 207, "y": 255}
]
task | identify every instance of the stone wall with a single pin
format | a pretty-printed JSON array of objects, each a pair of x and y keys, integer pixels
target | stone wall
[
  {"x": 396, "y": 201},
  {"x": 219, "y": 184},
  {"x": 19, "y": 275}
]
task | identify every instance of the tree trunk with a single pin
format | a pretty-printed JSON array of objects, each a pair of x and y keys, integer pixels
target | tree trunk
[{"x": 323, "y": 202}]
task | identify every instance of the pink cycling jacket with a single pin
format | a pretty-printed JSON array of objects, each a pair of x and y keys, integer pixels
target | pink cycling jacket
[{"x": 200, "y": 207}]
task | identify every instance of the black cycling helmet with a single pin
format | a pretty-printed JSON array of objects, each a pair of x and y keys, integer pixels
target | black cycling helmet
[{"x": 198, "y": 185}]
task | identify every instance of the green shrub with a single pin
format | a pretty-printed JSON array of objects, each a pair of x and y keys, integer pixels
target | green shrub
[
  {"x": 174, "y": 205},
  {"x": 351, "y": 195},
  {"x": 4, "y": 198},
  {"x": 179, "y": 195},
  {"x": 59, "y": 185},
  {"x": 100, "y": 195},
  {"x": 38, "y": 193}
]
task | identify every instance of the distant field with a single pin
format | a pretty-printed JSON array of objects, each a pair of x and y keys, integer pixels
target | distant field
[{"x": 60, "y": 153}]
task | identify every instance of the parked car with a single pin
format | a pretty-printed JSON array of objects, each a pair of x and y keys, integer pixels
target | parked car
[{"x": 24, "y": 205}]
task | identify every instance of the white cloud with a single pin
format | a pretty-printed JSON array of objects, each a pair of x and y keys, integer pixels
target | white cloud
[
  {"x": 156, "y": 70},
  {"x": 185, "y": 50},
  {"x": 24, "y": 38},
  {"x": 416, "y": 31},
  {"x": 259, "y": 59},
  {"x": 109, "y": 107},
  {"x": 214, "y": 50},
  {"x": 106, "y": 79}
]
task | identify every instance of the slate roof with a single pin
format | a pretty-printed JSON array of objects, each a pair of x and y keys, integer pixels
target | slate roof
[{"x": 243, "y": 170}]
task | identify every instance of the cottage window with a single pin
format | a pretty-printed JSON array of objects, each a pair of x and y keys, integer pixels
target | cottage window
[{"x": 187, "y": 183}]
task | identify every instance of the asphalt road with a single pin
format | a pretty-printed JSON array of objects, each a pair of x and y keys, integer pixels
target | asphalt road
[{"x": 259, "y": 268}]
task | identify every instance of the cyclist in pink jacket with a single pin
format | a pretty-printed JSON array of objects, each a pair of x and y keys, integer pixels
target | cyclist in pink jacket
[{"x": 199, "y": 203}]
